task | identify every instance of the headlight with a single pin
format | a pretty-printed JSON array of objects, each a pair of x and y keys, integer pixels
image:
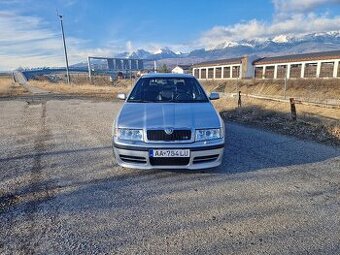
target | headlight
[
  {"x": 207, "y": 134},
  {"x": 129, "y": 134}
]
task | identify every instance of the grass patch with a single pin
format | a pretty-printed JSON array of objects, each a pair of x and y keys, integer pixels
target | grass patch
[
  {"x": 10, "y": 88},
  {"x": 313, "y": 123},
  {"x": 318, "y": 89}
]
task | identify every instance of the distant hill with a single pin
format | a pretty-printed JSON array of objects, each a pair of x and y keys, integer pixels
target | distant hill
[{"x": 279, "y": 45}]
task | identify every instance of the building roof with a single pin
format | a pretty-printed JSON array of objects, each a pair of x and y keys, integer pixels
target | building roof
[
  {"x": 184, "y": 67},
  {"x": 167, "y": 75},
  {"x": 218, "y": 62},
  {"x": 298, "y": 57}
]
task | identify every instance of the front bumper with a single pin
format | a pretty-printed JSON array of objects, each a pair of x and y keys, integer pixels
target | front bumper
[{"x": 201, "y": 157}]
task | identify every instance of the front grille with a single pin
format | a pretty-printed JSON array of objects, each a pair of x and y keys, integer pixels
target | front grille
[
  {"x": 177, "y": 135},
  {"x": 132, "y": 159},
  {"x": 204, "y": 159},
  {"x": 169, "y": 161}
]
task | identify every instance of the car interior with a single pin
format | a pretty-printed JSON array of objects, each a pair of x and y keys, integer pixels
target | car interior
[{"x": 168, "y": 90}]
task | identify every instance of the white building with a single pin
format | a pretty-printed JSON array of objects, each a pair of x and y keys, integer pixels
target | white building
[
  {"x": 233, "y": 68},
  {"x": 181, "y": 69},
  {"x": 309, "y": 65}
]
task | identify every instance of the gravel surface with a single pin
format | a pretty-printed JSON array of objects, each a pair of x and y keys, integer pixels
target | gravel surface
[{"x": 61, "y": 191}]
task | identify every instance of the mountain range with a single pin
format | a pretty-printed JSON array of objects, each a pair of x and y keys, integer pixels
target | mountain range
[
  {"x": 279, "y": 45},
  {"x": 275, "y": 46}
]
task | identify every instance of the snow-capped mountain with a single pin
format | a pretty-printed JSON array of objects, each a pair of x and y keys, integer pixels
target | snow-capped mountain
[
  {"x": 164, "y": 53},
  {"x": 156, "y": 55},
  {"x": 275, "y": 46},
  {"x": 324, "y": 37},
  {"x": 140, "y": 54},
  {"x": 278, "y": 45}
]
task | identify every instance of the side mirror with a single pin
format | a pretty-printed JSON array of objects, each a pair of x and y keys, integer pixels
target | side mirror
[
  {"x": 214, "y": 96},
  {"x": 121, "y": 96}
]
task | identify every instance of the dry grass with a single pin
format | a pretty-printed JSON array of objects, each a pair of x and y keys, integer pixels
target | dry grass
[
  {"x": 84, "y": 89},
  {"x": 77, "y": 79},
  {"x": 304, "y": 111},
  {"x": 308, "y": 89},
  {"x": 313, "y": 123},
  {"x": 9, "y": 88}
]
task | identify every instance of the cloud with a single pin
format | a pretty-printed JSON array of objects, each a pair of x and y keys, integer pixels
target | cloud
[
  {"x": 129, "y": 47},
  {"x": 10, "y": 2},
  {"x": 154, "y": 47},
  {"x": 25, "y": 41},
  {"x": 287, "y": 6},
  {"x": 293, "y": 24},
  {"x": 69, "y": 3},
  {"x": 29, "y": 41}
]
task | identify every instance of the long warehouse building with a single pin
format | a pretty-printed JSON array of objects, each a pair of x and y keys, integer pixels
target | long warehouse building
[
  {"x": 232, "y": 68},
  {"x": 308, "y": 65}
]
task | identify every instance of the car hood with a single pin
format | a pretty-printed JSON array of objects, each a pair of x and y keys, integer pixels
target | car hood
[{"x": 174, "y": 115}]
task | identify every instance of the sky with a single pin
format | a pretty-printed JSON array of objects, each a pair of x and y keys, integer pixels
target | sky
[{"x": 30, "y": 34}]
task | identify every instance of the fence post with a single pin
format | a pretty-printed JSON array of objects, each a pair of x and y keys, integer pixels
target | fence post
[
  {"x": 239, "y": 102},
  {"x": 285, "y": 88},
  {"x": 292, "y": 109}
]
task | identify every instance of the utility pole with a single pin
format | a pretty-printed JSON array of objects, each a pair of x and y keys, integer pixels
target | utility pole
[
  {"x": 155, "y": 66},
  {"x": 89, "y": 68},
  {"x": 62, "y": 31}
]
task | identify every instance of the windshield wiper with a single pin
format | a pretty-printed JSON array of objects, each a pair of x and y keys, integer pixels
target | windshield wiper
[
  {"x": 134, "y": 100},
  {"x": 141, "y": 101}
]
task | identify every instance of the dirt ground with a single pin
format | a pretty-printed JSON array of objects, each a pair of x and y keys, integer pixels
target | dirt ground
[
  {"x": 85, "y": 89},
  {"x": 62, "y": 192}
]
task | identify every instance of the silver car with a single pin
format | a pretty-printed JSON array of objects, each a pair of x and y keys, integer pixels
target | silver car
[{"x": 168, "y": 122}]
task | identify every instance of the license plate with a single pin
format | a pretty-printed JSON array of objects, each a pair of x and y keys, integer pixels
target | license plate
[{"x": 172, "y": 153}]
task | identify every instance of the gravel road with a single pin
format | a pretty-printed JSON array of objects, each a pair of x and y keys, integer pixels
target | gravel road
[{"x": 62, "y": 193}]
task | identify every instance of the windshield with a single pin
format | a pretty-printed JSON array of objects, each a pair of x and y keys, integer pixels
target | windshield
[{"x": 156, "y": 90}]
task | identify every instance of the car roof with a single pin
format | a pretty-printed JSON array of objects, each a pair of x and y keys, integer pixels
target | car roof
[{"x": 167, "y": 75}]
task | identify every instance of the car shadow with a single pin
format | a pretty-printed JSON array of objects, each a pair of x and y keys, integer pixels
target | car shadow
[{"x": 249, "y": 149}]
